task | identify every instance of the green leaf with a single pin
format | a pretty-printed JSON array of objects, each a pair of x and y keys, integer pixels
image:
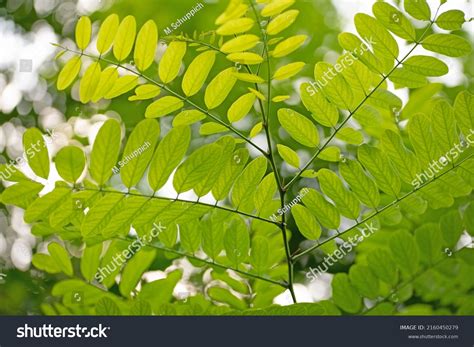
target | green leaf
[
  {"x": 364, "y": 281},
  {"x": 145, "y": 91},
  {"x": 422, "y": 138},
  {"x": 330, "y": 153},
  {"x": 107, "y": 307},
  {"x": 61, "y": 258},
  {"x": 288, "y": 71},
  {"x": 107, "y": 33},
  {"x": 275, "y": 7},
  {"x": 377, "y": 163},
  {"x": 36, "y": 152},
  {"x": 211, "y": 128},
  {"x": 105, "y": 151},
  {"x": 160, "y": 291},
  {"x": 382, "y": 265},
  {"x": 134, "y": 270},
  {"x": 235, "y": 26},
  {"x": 197, "y": 72},
  {"x": 350, "y": 136},
  {"x": 418, "y": 9},
  {"x": 403, "y": 77},
  {"x": 190, "y": 236},
  {"x": 428, "y": 239},
  {"x": 70, "y": 162},
  {"x": 259, "y": 254},
  {"x": 299, "y": 127},
  {"x": 125, "y": 38},
  {"x": 163, "y": 107},
  {"x": 344, "y": 294},
  {"x": 21, "y": 194},
  {"x": 288, "y": 46},
  {"x": 232, "y": 169},
  {"x": 121, "y": 86},
  {"x": 363, "y": 187},
  {"x": 307, "y": 224},
  {"x": 145, "y": 47},
  {"x": 324, "y": 211},
  {"x": 237, "y": 242},
  {"x": 240, "y": 43},
  {"x": 188, "y": 117},
  {"x": 451, "y": 226},
  {"x": 100, "y": 215},
  {"x": 46, "y": 263},
  {"x": 248, "y": 77},
  {"x": 451, "y": 20},
  {"x": 394, "y": 20},
  {"x": 138, "y": 151},
  {"x": 89, "y": 82},
  {"x": 336, "y": 88},
  {"x": 321, "y": 110},
  {"x": 219, "y": 88},
  {"x": 248, "y": 181},
  {"x": 212, "y": 237},
  {"x": 371, "y": 30},
  {"x": 141, "y": 308},
  {"x": 69, "y": 73},
  {"x": 265, "y": 192},
  {"x": 404, "y": 251},
  {"x": 83, "y": 32},
  {"x": 171, "y": 61},
  {"x": 241, "y": 107},
  {"x": 464, "y": 112},
  {"x": 447, "y": 44},
  {"x": 444, "y": 127},
  {"x": 196, "y": 168},
  {"x": 168, "y": 155},
  {"x": 247, "y": 58},
  {"x": 282, "y": 22},
  {"x": 90, "y": 261},
  {"x": 289, "y": 155},
  {"x": 224, "y": 296},
  {"x": 426, "y": 65},
  {"x": 107, "y": 80},
  {"x": 332, "y": 186},
  {"x": 404, "y": 160}
]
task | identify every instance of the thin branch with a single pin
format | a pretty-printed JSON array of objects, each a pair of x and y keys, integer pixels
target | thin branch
[
  {"x": 170, "y": 91},
  {"x": 271, "y": 157},
  {"x": 184, "y": 201},
  {"x": 319, "y": 244},
  {"x": 385, "y": 77},
  {"x": 211, "y": 263}
]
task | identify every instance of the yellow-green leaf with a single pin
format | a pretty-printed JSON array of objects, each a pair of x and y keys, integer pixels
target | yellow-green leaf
[
  {"x": 107, "y": 80},
  {"x": 145, "y": 91},
  {"x": 256, "y": 129},
  {"x": 289, "y": 155},
  {"x": 107, "y": 33},
  {"x": 70, "y": 162},
  {"x": 288, "y": 71},
  {"x": 125, "y": 38},
  {"x": 282, "y": 21},
  {"x": 171, "y": 61},
  {"x": 68, "y": 73},
  {"x": 122, "y": 85},
  {"x": 299, "y": 127},
  {"x": 307, "y": 224},
  {"x": 247, "y": 77},
  {"x": 235, "y": 26},
  {"x": 240, "y": 43},
  {"x": 36, "y": 152},
  {"x": 197, "y": 72},
  {"x": 241, "y": 107},
  {"x": 288, "y": 46},
  {"x": 83, "y": 32},
  {"x": 275, "y": 7},
  {"x": 188, "y": 117},
  {"x": 247, "y": 58},
  {"x": 447, "y": 44},
  {"x": 219, "y": 88},
  {"x": 163, "y": 107},
  {"x": 147, "y": 40},
  {"x": 89, "y": 82}
]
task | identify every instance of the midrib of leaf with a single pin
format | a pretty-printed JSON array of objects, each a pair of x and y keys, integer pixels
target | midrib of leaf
[
  {"x": 384, "y": 78},
  {"x": 378, "y": 211}
]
